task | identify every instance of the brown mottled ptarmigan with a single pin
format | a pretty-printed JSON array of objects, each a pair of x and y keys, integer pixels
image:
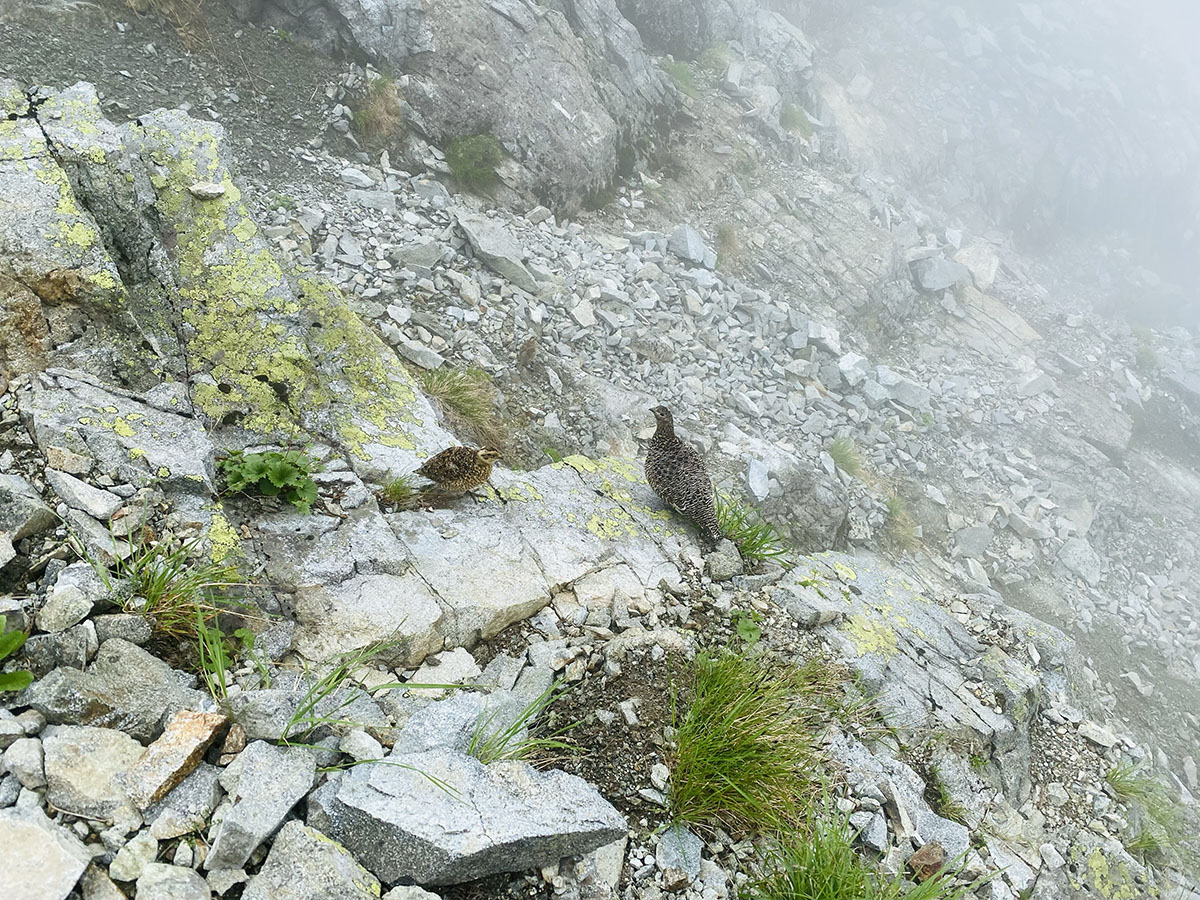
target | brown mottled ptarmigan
[
  {"x": 676, "y": 473},
  {"x": 460, "y": 468}
]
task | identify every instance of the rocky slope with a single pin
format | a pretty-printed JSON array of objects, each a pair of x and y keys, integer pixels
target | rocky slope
[{"x": 159, "y": 311}]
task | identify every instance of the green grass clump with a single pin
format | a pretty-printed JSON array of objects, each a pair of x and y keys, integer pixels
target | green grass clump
[
  {"x": 817, "y": 861},
  {"x": 714, "y": 58},
  {"x": 848, "y": 458},
  {"x": 514, "y": 741},
  {"x": 681, "y": 75},
  {"x": 1162, "y": 828},
  {"x": 398, "y": 491},
  {"x": 901, "y": 529},
  {"x": 10, "y": 643},
  {"x": 746, "y": 754},
  {"x": 729, "y": 247},
  {"x": 468, "y": 398},
  {"x": 794, "y": 119},
  {"x": 1145, "y": 357},
  {"x": 286, "y": 475},
  {"x": 756, "y": 539},
  {"x": 473, "y": 161},
  {"x": 379, "y": 113},
  {"x": 173, "y": 585},
  {"x": 942, "y": 803}
]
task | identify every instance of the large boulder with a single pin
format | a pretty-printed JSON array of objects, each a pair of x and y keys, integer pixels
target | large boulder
[{"x": 483, "y": 68}]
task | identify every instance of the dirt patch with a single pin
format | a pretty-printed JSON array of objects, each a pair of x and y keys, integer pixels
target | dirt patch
[{"x": 619, "y": 755}]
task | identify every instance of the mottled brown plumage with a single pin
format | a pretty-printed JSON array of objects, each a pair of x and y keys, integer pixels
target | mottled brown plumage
[
  {"x": 460, "y": 468},
  {"x": 676, "y": 473}
]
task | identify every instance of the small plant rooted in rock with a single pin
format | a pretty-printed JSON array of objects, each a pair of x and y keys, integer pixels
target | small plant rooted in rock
[
  {"x": 848, "y": 457},
  {"x": 286, "y": 475},
  {"x": 473, "y": 161},
  {"x": 379, "y": 113},
  {"x": 468, "y": 398},
  {"x": 10, "y": 643},
  {"x": 491, "y": 742},
  {"x": 756, "y": 539},
  {"x": 681, "y": 76}
]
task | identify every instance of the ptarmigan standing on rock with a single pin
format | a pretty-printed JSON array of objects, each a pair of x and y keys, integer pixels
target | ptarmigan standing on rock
[{"x": 676, "y": 472}]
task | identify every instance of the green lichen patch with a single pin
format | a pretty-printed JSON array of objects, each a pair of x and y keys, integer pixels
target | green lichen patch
[
  {"x": 281, "y": 361},
  {"x": 870, "y": 635}
]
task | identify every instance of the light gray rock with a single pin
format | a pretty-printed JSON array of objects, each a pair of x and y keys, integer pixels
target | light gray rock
[
  {"x": 264, "y": 783},
  {"x": 687, "y": 243},
  {"x": 901, "y": 389},
  {"x": 132, "y": 859},
  {"x": 1098, "y": 734},
  {"x": 72, "y": 598},
  {"x": 266, "y": 714},
  {"x": 981, "y": 261},
  {"x": 808, "y": 606},
  {"x": 724, "y": 562},
  {"x": 972, "y": 542},
  {"x": 401, "y": 825},
  {"x": 384, "y": 201},
  {"x": 1078, "y": 558},
  {"x": 306, "y": 865},
  {"x": 40, "y": 860},
  {"x": 24, "y": 758},
  {"x": 410, "y": 892},
  {"x": 416, "y": 352},
  {"x": 855, "y": 369},
  {"x": 872, "y": 829},
  {"x": 97, "y": 885},
  {"x": 758, "y": 479},
  {"x": 1036, "y": 384},
  {"x": 936, "y": 273},
  {"x": 84, "y": 766},
  {"x": 126, "y": 626},
  {"x": 497, "y": 249},
  {"x": 188, "y": 806},
  {"x": 678, "y": 848},
  {"x": 160, "y": 881},
  {"x": 22, "y": 512},
  {"x": 825, "y": 337},
  {"x": 96, "y": 502},
  {"x": 125, "y": 688}
]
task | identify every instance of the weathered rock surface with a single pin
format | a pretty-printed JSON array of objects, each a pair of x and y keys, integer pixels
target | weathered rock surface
[
  {"x": 40, "y": 860},
  {"x": 84, "y": 768},
  {"x": 264, "y": 783},
  {"x": 306, "y": 865}
]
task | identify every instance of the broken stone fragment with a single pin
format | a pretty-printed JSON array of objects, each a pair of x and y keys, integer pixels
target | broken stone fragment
[
  {"x": 928, "y": 861},
  {"x": 206, "y": 190},
  {"x": 173, "y": 756}
]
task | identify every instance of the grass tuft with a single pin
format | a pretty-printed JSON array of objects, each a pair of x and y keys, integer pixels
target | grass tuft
[
  {"x": 172, "y": 585},
  {"x": 901, "y": 528},
  {"x": 794, "y": 119},
  {"x": 1162, "y": 827},
  {"x": 473, "y": 161},
  {"x": 756, "y": 539},
  {"x": 729, "y": 247},
  {"x": 468, "y": 398},
  {"x": 746, "y": 750},
  {"x": 714, "y": 58},
  {"x": 817, "y": 861},
  {"x": 848, "y": 458},
  {"x": 399, "y": 491},
  {"x": 514, "y": 741},
  {"x": 682, "y": 77},
  {"x": 379, "y": 113}
]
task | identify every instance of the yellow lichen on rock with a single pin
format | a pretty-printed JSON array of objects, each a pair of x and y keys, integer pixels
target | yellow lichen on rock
[{"x": 871, "y": 636}]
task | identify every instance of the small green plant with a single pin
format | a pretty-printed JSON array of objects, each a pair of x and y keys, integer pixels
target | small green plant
[
  {"x": 287, "y": 475},
  {"x": 847, "y": 457},
  {"x": 747, "y": 747},
  {"x": 729, "y": 247},
  {"x": 756, "y": 539},
  {"x": 379, "y": 113},
  {"x": 489, "y": 744},
  {"x": 977, "y": 762},
  {"x": 714, "y": 58},
  {"x": 942, "y": 803},
  {"x": 10, "y": 643},
  {"x": 473, "y": 161},
  {"x": 794, "y": 119},
  {"x": 901, "y": 529},
  {"x": 256, "y": 657},
  {"x": 398, "y": 491},
  {"x": 1161, "y": 824},
  {"x": 1146, "y": 357},
  {"x": 283, "y": 201},
  {"x": 468, "y": 398},
  {"x": 817, "y": 861},
  {"x": 745, "y": 623},
  {"x": 681, "y": 75},
  {"x": 212, "y": 653},
  {"x": 172, "y": 584}
]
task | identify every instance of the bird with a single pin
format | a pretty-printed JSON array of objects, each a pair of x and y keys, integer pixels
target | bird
[
  {"x": 461, "y": 468},
  {"x": 676, "y": 473}
]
